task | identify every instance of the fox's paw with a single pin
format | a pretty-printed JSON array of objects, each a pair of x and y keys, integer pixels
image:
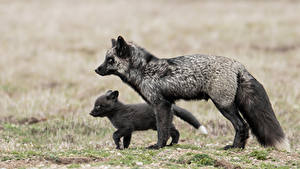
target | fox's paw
[
  {"x": 119, "y": 148},
  {"x": 228, "y": 147},
  {"x": 172, "y": 144},
  {"x": 154, "y": 147},
  {"x": 233, "y": 146}
]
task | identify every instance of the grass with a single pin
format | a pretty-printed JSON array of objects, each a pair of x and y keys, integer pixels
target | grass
[
  {"x": 47, "y": 84},
  {"x": 201, "y": 160},
  {"x": 259, "y": 154}
]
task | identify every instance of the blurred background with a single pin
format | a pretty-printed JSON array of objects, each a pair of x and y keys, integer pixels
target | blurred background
[{"x": 49, "y": 50}]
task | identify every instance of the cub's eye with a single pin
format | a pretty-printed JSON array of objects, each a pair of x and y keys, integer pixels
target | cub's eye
[
  {"x": 98, "y": 107},
  {"x": 110, "y": 60}
]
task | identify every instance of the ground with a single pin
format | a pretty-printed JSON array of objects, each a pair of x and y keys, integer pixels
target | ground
[{"x": 49, "y": 50}]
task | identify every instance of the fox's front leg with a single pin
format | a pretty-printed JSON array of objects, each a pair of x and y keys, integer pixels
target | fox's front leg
[
  {"x": 120, "y": 133},
  {"x": 164, "y": 118}
]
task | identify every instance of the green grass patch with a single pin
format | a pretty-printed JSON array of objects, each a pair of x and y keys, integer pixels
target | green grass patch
[
  {"x": 196, "y": 159},
  {"x": 202, "y": 160},
  {"x": 185, "y": 146},
  {"x": 54, "y": 131},
  {"x": 271, "y": 166},
  {"x": 134, "y": 157},
  {"x": 259, "y": 154},
  {"x": 54, "y": 156},
  {"x": 17, "y": 155},
  {"x": 74, "y": 166}
]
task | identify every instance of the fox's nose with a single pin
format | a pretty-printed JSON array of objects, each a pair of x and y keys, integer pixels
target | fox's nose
[
  {"x": 98, "y": 70},
  {"x": 101, "y": 70}
]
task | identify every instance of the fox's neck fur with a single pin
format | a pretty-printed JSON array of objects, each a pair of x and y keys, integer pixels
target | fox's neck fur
[{"x": 134, "y": 75}]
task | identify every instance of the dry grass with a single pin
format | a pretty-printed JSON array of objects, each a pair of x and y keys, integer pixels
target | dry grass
[{"x": 49, "y": 49}]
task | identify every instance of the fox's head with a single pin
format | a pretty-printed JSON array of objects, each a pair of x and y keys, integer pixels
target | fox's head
[
  {"x": 105, "y": 104},
  {"x": 122, "y": 57},
  {"x": 116, "y": 59}
]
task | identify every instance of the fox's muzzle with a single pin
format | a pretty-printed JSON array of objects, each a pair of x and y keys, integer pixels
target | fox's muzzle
[{"x": 101, "y": 70}]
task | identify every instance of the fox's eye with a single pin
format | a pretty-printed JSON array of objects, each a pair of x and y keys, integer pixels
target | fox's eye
[{"x": 110, "y": 60}]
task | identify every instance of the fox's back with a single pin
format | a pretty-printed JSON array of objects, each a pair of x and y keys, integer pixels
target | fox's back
[
  {"x": 202, "y": 66},
  {"x": 195, "y": 76}
]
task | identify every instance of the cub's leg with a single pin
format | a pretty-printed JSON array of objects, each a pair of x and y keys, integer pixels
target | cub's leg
[
  {"x": 126, "y": 140},
  {"x": 118, "y": 134},
  {"x": 174, "y": 134}
]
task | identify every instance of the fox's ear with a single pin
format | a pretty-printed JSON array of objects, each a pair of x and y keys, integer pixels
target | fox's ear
[
  {"x": 113, "y": 42},
  {"x": 108, "y": 92},
  {"x": 113, "y": 95},
  {"x": 122, "y": 47}
]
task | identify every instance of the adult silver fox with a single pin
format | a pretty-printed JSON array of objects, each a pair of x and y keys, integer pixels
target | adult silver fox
[{"x": 194, "y": 77}]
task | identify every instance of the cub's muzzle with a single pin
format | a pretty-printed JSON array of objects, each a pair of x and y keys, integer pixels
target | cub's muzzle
[{"x": 92, "y": 113}]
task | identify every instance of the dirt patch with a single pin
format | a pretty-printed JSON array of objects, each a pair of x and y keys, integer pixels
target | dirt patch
[
  {"x": 225, "y": 164},
  {"x": 23, "y": 121},
  {"x": 41, "y": 162},
  {"x": 31, "y": 120},
  {"x": 72, "y": 160},
  {"x": 23, "y": 163}
]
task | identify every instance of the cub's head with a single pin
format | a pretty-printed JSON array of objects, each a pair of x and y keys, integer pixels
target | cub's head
[
  {"x": 105, "y": 104},
  {"x": 117, "y": 58}
]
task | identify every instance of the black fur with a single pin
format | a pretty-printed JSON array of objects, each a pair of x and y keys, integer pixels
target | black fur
[
  {"x": 254, "y": 104},
  {"x": 128, "y": 118}
]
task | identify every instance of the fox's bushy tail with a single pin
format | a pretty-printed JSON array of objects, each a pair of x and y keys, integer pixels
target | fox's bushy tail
[
  {"x": 255, "y": 106},
  {"x": 189, "y": 118}
]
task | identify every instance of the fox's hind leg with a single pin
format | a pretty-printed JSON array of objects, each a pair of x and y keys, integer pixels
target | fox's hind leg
[
  {"x": 174, "y": 134},
  {"x": 126, "y": 140},
  {"x": 241, "y": 127}
]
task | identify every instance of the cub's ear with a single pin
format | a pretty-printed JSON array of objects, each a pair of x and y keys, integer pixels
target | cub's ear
[
  {"x": 113, "y": 95},
  {"x": 122, "y": 47},
  {"x": 113, "y": 42}
]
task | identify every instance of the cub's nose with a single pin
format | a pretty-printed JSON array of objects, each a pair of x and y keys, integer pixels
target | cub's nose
[{"x": 92, "y": 113}]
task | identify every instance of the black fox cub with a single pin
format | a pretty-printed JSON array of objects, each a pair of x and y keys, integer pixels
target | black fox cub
[
  {"x": 128, "y": 118},
  {"x": 226, "y": 82}
]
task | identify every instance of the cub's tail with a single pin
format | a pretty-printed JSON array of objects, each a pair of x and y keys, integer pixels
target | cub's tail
[
  {"x": 189, "y": 118},
  {"x": 255, "y": 106}
]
